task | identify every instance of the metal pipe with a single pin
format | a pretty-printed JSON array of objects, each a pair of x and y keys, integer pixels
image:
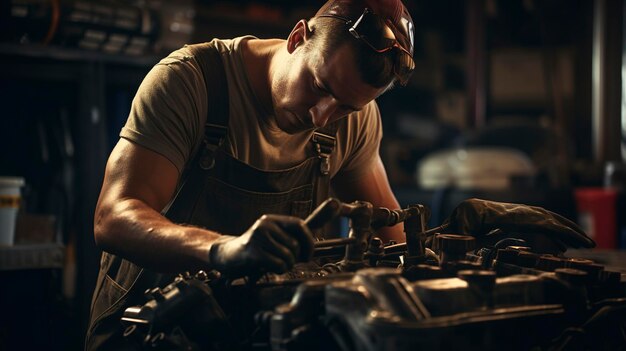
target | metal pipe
[
  {"x": 476, "y": 63},
  {"x": 606, "y": 61},
  {"x": 333, "y": 242}
]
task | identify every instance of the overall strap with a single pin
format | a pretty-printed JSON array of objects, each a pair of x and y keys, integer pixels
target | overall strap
[
  {"x": 216, "y": 124},
  {"x": 324, "y": 141},
  {"x": 215, "y": 132}
]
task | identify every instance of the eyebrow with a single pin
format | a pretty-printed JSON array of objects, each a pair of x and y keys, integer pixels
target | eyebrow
[{"x": 324, "y": 86}]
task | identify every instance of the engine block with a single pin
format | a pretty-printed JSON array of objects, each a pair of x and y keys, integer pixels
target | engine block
[{"x": 437, "y": 291}]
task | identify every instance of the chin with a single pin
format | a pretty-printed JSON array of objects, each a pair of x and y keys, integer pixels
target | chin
[
  {"x": 293, "y": 129},
  {"x": 289, "y": 123},
  {"x": 289, "y": 130}
]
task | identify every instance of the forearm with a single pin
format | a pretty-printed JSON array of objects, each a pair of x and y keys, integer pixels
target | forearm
[
  {"x": 395, "y": 233},
  {"x": 133, "y": 230}
]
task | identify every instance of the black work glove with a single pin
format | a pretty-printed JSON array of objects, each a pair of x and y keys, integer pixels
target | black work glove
[
  {"x": 543, "y": 230},
  {"x": 272, "y": 244}
]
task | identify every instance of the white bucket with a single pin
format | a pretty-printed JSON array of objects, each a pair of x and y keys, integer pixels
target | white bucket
[{"x": 10, "y": 199}]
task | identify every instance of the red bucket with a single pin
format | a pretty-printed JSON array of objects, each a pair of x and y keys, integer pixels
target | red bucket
[{"x": 597, "y": 215}]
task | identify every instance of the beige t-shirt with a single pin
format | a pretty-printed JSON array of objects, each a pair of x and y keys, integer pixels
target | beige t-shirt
[{"x": 169, "y": 111}]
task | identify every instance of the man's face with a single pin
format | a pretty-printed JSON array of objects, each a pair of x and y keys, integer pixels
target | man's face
[{"x": 311, "y": 91}]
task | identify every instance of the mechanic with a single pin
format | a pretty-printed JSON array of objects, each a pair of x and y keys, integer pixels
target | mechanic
[{"x": 229, "y": 144}]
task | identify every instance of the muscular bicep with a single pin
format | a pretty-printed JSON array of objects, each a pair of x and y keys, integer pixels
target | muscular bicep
[
  {"x": 135, "y": 172},
  {"x": 138, "y": 183},
  {"x": 371, "y": 185}
]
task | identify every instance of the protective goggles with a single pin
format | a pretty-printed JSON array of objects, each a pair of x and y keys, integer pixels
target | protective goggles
[{"x": 378, "y": 34}]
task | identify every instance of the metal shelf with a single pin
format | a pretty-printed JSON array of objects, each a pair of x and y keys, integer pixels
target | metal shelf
[
  {"x": 71, "y": 54},
  {"x": 39, "y": 256}
]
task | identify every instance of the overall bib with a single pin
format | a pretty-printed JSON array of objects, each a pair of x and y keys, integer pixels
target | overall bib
[{"x": 220, "y": 193}]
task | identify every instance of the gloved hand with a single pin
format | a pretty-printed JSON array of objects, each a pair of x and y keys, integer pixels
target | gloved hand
[
  {"x": 543, "y": 230},
  {"x": 272, "y": 244}
]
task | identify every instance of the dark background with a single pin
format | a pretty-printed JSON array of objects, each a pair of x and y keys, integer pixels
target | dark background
[{"x": 497, "y": 73}]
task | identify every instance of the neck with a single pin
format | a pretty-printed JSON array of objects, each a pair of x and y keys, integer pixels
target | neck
[{"x": 259, "y": 56}]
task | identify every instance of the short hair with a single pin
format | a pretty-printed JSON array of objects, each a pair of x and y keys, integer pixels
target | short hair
[{"x": 376, "y": 69}]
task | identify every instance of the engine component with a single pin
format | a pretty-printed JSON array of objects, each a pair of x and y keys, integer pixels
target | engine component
[{"x": 393, "y": 297}]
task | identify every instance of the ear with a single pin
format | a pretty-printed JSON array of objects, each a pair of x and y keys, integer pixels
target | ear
[{"x": 298, "y": 36}]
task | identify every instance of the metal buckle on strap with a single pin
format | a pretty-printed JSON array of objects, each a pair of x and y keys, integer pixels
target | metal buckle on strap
[
  {"x": 324, "y": 146},
  {"x": 214, "y": 136}
]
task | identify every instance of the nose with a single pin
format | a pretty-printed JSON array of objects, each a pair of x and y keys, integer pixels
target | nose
[{"x": 322, "y": 112}]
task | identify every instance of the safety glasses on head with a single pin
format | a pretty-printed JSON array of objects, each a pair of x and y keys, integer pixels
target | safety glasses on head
[
  {"x": 380, "y": 34},
  {"x": 373, "y": 31}
]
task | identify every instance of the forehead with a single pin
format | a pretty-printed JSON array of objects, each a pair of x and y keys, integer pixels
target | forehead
[{"x": 338, "y": 71}]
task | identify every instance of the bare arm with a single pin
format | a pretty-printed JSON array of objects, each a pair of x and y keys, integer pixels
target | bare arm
[
  {"x": 138, "y": 183},
  {"x": 372, "y": 187}
]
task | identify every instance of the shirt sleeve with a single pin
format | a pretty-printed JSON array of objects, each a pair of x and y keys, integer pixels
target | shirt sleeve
[
  {"x": 363, "y": 136},
  {"x": 167, "y": 110}
]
